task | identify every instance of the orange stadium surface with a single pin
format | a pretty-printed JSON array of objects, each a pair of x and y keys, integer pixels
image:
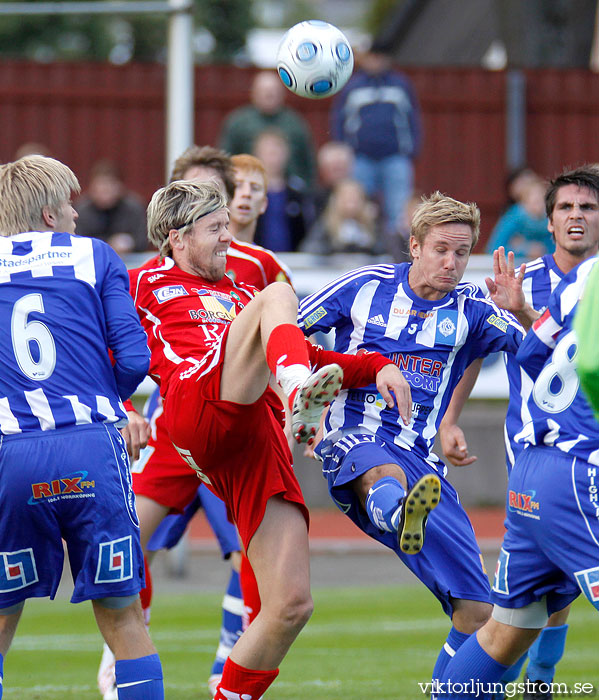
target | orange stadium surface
[{"x": 330, "y": 526}]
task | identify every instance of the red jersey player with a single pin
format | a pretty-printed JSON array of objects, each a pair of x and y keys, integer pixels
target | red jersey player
[
  {"x": 162, "y": 481},
  {"x": 214, "y": 344}
]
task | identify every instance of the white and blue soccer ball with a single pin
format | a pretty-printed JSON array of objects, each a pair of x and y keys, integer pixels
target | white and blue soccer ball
[{"x": 314, "y": 59}]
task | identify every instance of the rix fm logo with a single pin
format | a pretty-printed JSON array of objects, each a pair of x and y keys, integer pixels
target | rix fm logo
[
  {"x": 523, "y": 501},
  {"x": 73, "y": 484}
]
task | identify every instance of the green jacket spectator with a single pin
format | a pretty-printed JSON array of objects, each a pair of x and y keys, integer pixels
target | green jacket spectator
[{"x": 265, "y": 112}]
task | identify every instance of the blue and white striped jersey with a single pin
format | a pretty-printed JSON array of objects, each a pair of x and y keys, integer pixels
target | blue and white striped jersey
[
  {"x": 64, "y": 302},
  {"x": 540, "y": 279},
  {"x": 560, "y": 415},
  {"x": 432, "y": 342}
]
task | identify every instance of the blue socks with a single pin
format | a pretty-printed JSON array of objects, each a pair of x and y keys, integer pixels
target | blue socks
[
  {"x": 513, "y": 672},
  {"x": 454, "y": 641},
  {"x": 140, "y": 679},
  {"x": 232, "y": 622},
  {"x": 544, "y": 654},
  {"x": 471, "y": 671},
  {"x": 383, "y": 504}
]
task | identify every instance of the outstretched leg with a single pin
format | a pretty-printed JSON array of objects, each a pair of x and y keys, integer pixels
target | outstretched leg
[
  {"x": 278, "y": 553},
  {"x": 392, "y": 507}
]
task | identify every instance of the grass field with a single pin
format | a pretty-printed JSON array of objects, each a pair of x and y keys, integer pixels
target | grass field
[{"x": 361, "y": 644}]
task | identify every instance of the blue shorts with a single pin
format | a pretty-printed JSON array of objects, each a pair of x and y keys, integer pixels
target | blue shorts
[
  {"x": 551, "y": 547},
  {"x": 72, "y": 484},
  {"x": 450, "y": 563},
  {"x": 171, "y": 529}
]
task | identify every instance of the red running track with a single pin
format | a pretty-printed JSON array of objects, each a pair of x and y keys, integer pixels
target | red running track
[{"x": 328, "y": 525}]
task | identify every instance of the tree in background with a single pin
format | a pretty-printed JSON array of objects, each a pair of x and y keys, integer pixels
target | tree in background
[
  {"x": 229, "y": 22},
  {"x": 120, "y": 39}
]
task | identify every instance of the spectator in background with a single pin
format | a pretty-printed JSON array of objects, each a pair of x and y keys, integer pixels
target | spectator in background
[
  {"x": 203, "y": 163},
  {"x": 348, "y": 224},
  {"x": 397, "y": 241},
  {"x": 290, "y": 210},
  {"x": 377, "y": 113},
  {"x": 523, "y": 226},
  {"x": 110, "y": 212},
  {"x": 267, "y": 110},
  {"x": 32, "y": 148},
  {"x": 516, "y": 181},
  {"x": 335, "y": 162}
]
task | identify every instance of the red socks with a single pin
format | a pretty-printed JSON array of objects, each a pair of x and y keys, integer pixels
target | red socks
[
  {"x": 145, "y": 595},
  {"x": 286, "y": 346},
  {"x": 249, "y": 592},
  {"x": 240, "y": 683}
]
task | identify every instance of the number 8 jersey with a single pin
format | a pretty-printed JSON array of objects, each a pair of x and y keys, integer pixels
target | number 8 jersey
[{"x": 560, "y": 415}]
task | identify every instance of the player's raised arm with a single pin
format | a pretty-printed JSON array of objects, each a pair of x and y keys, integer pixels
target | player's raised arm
[{"x": 505, "y": 289}]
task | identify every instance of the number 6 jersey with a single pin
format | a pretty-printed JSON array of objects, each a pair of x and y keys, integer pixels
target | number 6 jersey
[
  {"x": 560, "y": 415},
  {"x": 64, "y": 302}
]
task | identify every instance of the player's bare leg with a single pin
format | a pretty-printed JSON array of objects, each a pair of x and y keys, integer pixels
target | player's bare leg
[
  {"x": 150, "y": 514},
  {"x": 8, "y": 626},
  {"x": 278, "y": 553},
  {"x": 366, "y": 481},
  {"x": 137, "y": 662},
  {"x": 469, "y": 615},
  {"x": 505, "y": 643},
  {"x": 124, "y": 630},
  {"x": 9, "y": 619},
  {"x": 245, "y": 371}
]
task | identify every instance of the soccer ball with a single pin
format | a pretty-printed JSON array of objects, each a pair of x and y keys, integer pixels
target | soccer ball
[{"x": 314, "y": 59}]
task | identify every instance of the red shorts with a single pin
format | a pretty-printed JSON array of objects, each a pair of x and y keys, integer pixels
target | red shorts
[
  {"x": 162, "y": 475},
  {"x": 239, "y": 450}
]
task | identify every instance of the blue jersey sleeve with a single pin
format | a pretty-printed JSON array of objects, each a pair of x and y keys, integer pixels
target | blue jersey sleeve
[
  {"x": 125, "y": 336},
  {"x": 542, "y": 337},
  {"x": 494, "y": 329},
  {"x": 325, "y": 309},
  {"x": 532, "y": 354}
]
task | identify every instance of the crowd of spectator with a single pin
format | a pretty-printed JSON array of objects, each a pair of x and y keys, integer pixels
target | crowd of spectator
[{"x": 354, "y": 194}]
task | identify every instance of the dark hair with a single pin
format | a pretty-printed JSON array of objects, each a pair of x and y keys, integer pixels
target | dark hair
[
  {"x": 105, "y": 168},
  {"x": 586, "y": 176},
  {"x": 206, "y": 157}
]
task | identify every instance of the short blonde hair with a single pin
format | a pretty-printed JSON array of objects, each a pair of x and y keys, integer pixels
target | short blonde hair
[
  {"x": 178, "y": 206},
  {"x": 438, "y": 209},
  {"x": 27, "y": 186}
]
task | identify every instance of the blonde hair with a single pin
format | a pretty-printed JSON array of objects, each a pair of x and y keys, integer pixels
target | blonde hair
[
  {"x": 439, "y": 209},
  {"x": 248, "y": 162},
  {"x": 27, "y": 186},
  {"x": 178, "y": 206}
]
